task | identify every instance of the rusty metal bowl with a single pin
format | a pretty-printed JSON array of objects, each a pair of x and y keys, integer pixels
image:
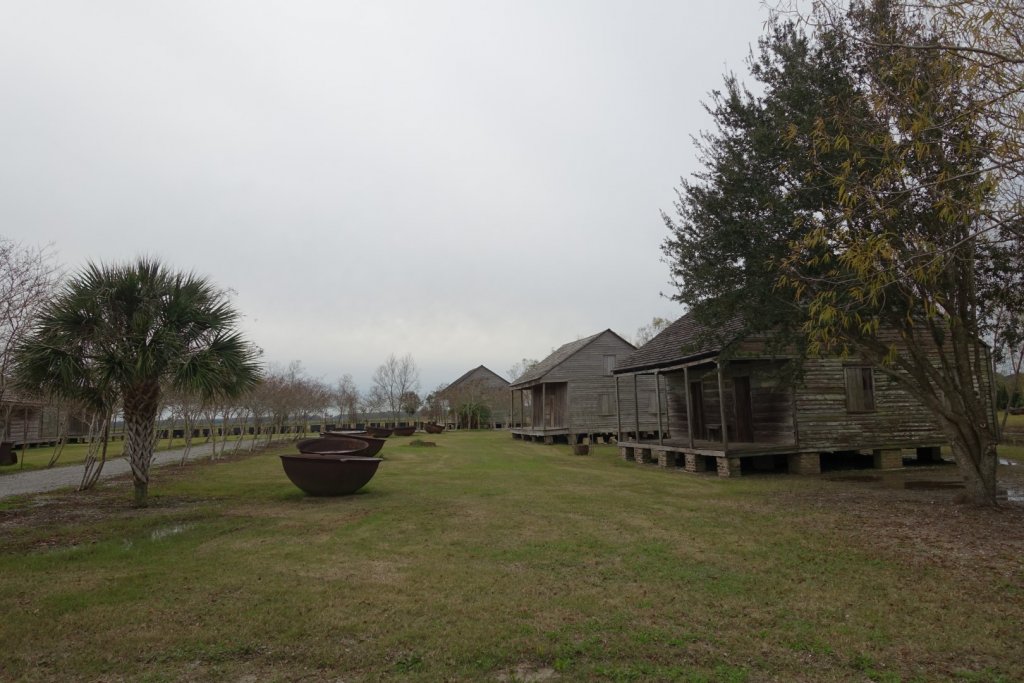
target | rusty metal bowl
[
  {"x": 374, "y": 444},
  {"x": 320, "y": 475},
  {"x": 379, "y": 432},
  {"x": 334, "y": 445},
  {"x": 433, "y": 429},
  {"x": 404, "y": 431}
]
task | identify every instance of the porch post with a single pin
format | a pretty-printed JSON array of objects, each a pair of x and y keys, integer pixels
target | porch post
[
  {"x": 657, "y": 397},
  {"x": 721, "y": 406},
  {"x": 689, "y": 406},
  {"x": 543, "y": 406},
  {"x": 522, "y": 408},
  {"x": 636, "y": 408},
  {"x": 618, "y": 413},
  {"x": 511, "y": 410}
]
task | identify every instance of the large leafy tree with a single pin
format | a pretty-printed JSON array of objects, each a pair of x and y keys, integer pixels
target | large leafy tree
[
  {"x": 849, "y": 204},
  {"x": 126, "y": 332}
]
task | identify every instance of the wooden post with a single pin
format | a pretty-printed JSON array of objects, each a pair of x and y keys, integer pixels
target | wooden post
[
  {"x": 689, "y": 406},
  {"x": 721, "y": 407},
  {"x": 511, "y": 410},
  {"x": 636, "y": 408},
  {"x": 543, "y": 406},
  {"x": 618, "y": 413},
  {"x": 657, "y": 397},
  {"x": 522, "y": 408},
  {"x": 796, "y": 422},
  {"x": 24, "y": 436}
]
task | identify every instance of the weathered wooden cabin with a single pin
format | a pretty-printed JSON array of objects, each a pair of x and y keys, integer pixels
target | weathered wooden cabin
[
  {"x": 571, "y": 395},
  {"x": 479, "y": 386},
  {"x": 745, "y": 414},
  {"x": 24, "y": 420}
]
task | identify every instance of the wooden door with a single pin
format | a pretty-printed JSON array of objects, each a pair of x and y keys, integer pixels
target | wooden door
[
  {"x": 744, "y": 413},
  {"x": 697, "y": 406}
]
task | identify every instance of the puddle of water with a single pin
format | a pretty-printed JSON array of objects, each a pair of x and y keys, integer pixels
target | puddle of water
[
  {"x": 1006, "y": 461},
  {"x": 160, "y": 534},
  {"x": 1011, "y": 495}
]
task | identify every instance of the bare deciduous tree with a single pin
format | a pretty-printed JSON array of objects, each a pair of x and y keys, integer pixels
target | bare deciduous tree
[
  {"x": 346, "y": 397},
  {"x": 394, "y": 378},
  {"x": 28, "y": 276},
  {"x": 520, "y": 368},
  {"x": 651, "y": 330}
]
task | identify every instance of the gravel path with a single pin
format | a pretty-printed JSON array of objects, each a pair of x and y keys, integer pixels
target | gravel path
[{"x": 39, "y": 481}]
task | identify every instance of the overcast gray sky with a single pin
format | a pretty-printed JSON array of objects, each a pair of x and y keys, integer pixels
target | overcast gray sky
[{"x": 469, "y": 182}]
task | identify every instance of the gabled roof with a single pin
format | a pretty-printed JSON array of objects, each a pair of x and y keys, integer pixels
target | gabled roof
[
  {"x": 559, "y": 356},
  {"x": 465, "y": 377},
  {"x": 685, "y": 339}
]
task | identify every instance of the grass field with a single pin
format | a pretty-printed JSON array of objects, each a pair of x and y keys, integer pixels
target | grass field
[
  {"x": 1013, "y": 421},
  {"x": 486, "y": 558}
]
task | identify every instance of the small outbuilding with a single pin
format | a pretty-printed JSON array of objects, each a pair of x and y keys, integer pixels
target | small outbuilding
[
  {"x": 476, "y": 400},
  {"x": 733, "y": 407},
  {"x": 571, "y": 395}
]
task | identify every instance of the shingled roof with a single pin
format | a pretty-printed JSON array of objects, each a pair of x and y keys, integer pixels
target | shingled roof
[
  {"x": 478, "y": 368},
  {"x": 685, "y": 339},
  {"x": 559, "y": 356}
]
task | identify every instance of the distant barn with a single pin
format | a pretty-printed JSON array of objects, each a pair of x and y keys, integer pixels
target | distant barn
[
  {"x": 735, "y": 411},
  {"x": 477, "y": 400},
  {"x": 571, "y": 395}
]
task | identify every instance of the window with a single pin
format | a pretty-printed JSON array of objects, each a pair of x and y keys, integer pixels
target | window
[
  {"x": 605, "y": 404},
  {"x": 860, "y": 389},
  {"x": 609, "y": 364},
  {"x": 652, "y": 402}
]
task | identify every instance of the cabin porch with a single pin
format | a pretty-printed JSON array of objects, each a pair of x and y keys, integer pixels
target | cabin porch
[{"x": 543, "y": 411}]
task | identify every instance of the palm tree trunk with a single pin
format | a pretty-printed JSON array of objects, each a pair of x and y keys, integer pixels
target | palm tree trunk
[{"x": 140, "y": 411}]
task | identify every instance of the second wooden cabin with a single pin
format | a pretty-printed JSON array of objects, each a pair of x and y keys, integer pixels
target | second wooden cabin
[{"x": 571, "y": 395}]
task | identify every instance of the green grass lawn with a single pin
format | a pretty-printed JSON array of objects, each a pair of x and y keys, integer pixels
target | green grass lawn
[
  {"x": 1012, "y": 421},
  {"x": 486, "y": 558}
]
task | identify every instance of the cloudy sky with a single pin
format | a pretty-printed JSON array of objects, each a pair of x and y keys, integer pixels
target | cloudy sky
[{"x": 469, "y": 182}]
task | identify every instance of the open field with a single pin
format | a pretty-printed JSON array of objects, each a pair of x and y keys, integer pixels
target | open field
[
  {"x": 1013, "y": 421},
  {"x": 492, "y": 559}
]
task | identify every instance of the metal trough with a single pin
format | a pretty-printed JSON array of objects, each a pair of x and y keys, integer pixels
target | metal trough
[
  {"x": 323, "y": 475},
  {"x": 374, "y": 443},
  {"x": 335, "y": 445}
]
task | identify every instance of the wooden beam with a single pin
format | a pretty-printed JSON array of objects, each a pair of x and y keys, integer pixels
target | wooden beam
[
  {"x": 636, "y": 408},
  {"x": 618, "y": 412},
  {"x": 702, "y": 361},
  {"x": 543, "y": 406},
  {"x": 689, "y": 406},
  {"x": 721, "y": 407},
  {"x": 796, "y": 421},
  {"x": 657, "y": 397}
]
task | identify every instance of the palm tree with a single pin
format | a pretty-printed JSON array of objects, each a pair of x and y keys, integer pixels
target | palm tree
[{"x": 123, "y": 332}]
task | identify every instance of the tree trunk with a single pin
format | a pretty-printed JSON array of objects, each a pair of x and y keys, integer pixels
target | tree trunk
[
  {"x": 93, "y": 467},
  {"x": 63, "y": 426},
  {"x": 975, "y": 455},
  {"x": 140, "y": 411}
]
